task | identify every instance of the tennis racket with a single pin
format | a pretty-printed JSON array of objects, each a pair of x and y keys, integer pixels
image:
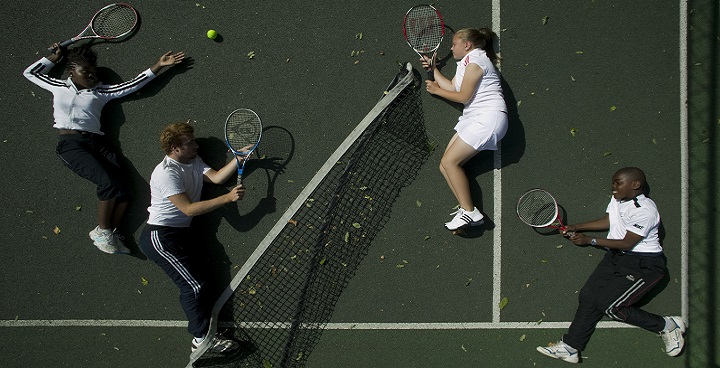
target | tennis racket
[
  {"x": 112, "y": 22},
  {"x": 243, "y": 130},
  {"x": 424, "y": 30},
  {"x": 538, "y": 208}
]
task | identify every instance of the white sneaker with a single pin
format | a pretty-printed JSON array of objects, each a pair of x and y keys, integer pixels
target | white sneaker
[
  {"x": 218, "y": 345},
  {"x": 562, "y": 351},
  {"x": 464, "y": 218},
  {"x": 119, "y": 240},
  {"x": 673, "y": 338},
  {"x": 105, "y": 240}
]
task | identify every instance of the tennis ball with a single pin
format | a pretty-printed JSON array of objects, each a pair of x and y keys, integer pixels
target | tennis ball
[{"x": 212, "y": 34}]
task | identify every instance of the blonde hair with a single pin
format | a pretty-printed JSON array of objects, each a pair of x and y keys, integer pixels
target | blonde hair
[
  {"x": 172, "y": 135},
  {"x": 481, "y": 38}
]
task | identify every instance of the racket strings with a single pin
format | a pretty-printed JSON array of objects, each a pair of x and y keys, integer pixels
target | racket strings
[
  {"x": 424, "y": 28},
  {"x": 243, "y": 130},
  {"x": 537, "y": 208},
  {"x": 114, "y": 22}
]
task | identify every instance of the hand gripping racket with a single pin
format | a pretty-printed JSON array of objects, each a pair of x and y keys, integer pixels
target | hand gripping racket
[
  {"x": 112, "y": 22},
  {"x": 424, "y": 30},
  {"x": 538, "y": 208},
  {"x": 243, "y": 130}
]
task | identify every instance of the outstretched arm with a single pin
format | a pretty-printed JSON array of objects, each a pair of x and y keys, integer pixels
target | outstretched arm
[
  {"x": 167, "y": 59},
  {"x": 628, "y": 242},
  {"x": 188, "y": 207}
]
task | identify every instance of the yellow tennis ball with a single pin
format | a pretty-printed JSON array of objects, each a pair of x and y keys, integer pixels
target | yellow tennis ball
[{"x": 212, "y": 34}]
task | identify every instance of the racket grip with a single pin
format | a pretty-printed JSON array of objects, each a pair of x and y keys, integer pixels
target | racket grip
[
  {"x": 67, "y": 43},
  {"x": 431, "y": 74}
]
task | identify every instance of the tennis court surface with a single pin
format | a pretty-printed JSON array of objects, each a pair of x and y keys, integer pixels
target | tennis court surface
[{"x": 592, "y": 86}]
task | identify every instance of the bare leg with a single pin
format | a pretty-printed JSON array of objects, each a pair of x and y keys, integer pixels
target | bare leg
[
  {"x": 118, "y": 213},
  {"x": 105, "y": 213},
  {"x": 456, "y": 155}
]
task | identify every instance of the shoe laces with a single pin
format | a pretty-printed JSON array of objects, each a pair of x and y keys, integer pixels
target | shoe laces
[{"x": 459, "y": 210}]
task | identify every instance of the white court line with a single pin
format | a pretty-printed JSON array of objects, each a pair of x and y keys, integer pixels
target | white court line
[
  {"x": 497, "y": 195},
  {"x": 684, "y": 163},
  {"x": 329, "y": 326}
]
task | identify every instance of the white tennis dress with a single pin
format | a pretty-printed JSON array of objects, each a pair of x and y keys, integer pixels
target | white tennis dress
[{"x": 484, "y": 120}]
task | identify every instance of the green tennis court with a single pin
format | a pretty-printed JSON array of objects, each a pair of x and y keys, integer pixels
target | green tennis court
[{"x": 592, "y": 86}]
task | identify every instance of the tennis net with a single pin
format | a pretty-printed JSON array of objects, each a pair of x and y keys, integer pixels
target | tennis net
[{"x": 285, "y": 293}]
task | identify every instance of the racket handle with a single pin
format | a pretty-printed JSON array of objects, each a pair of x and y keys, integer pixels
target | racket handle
[
  {"x": 63, "y": 45},
  {"x": 67, "y": 43},
  {"x": 431, "y": 74}
]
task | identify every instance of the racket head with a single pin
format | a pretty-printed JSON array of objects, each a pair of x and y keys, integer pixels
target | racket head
[
  {"x": 538, "y": 208},
  {"x": 114, "y": 21},
  {"x": 243, "y": 131},
  {"x": 423, "y": 28}
]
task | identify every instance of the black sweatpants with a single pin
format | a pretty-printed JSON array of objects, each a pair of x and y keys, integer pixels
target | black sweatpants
[
  {"x": 89, "y": 156},
  {"x": 171, "y": 248},
  {"x": 618, "y": 282}
]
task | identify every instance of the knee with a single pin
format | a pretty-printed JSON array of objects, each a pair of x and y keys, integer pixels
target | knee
[{"x": 446, "y": 163}]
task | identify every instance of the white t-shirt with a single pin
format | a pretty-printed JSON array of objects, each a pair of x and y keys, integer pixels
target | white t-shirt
[
  {"x": 639, "y": 216},
  {"x": 488, "y": 94},
  {"x": 170, "y": 178}
]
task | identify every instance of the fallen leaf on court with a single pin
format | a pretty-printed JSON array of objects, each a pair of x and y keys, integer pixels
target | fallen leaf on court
[
  {"x": 293, "y": 222},
  {"x": 573, "y": 131},
  {"x": 468, "y": 282},
  {"x": 381, "y": 53},
  {"x": 252, "y": 291},
  {"x": 613, "y": 108},
  {"x": 572, "y": 78},
  {"x": 356, "y": 225},
  {"x": 144, "y": 281},
  {"x": 427, "y": 237},
  {"x": 463, "y": 348},
  {"x": 654, "y": 141},
  {"x": 78, "y": 208},
  {"x": 503, "y": 303},
  {"x": 539, "y": 321},
  {"x": 545, "y": 19},
  {"x": 267, "y": 364},
  {"x": 56, "y": 230},
  {"x": 299, "y": 356},
  {"x": 544, "y": 260},
  {"x": 559, "y": 246},
  {"x": 347, "y": 237},
  {"x": 518, "y": 103},
  {"x": 382, "y": 258},
  {"x": 579, "y": 52},
  {"x": 522, "y": 338},
  {"x": 287, "y": 60},
  {"x": 418, "y": 203},
  {"x": 607, "y": 153},
  {"x": 399, "y": 266},
  {"x": 251, "y": 54},
  {"x": 356, "y": 62},
  {"x": 322, "y": 261}
]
